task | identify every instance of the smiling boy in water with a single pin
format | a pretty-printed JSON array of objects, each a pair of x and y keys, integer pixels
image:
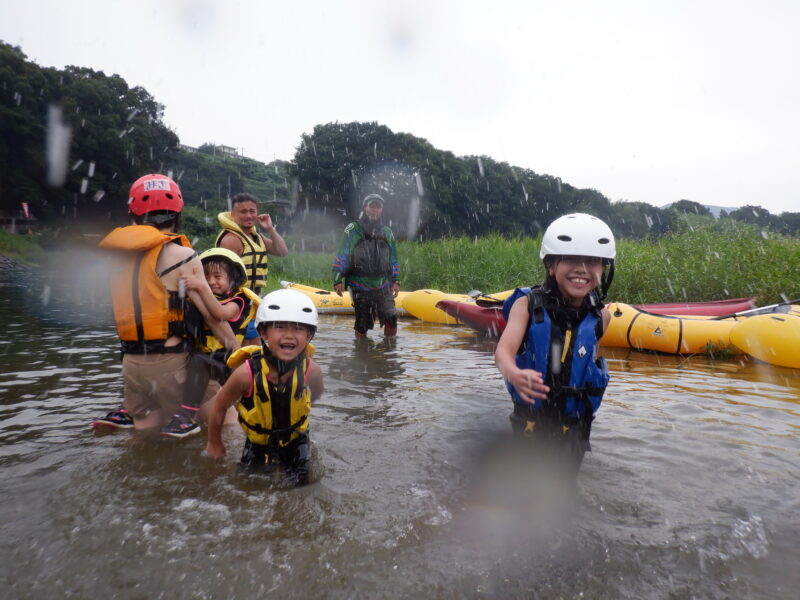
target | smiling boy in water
[
  {"x": 548, "y": 351},
  {"x": 273, "y": 388}
]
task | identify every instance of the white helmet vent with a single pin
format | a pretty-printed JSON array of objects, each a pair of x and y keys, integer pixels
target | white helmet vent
[
  {"x": 578, "y": 234},
  {"x": 289, "y": 306}
]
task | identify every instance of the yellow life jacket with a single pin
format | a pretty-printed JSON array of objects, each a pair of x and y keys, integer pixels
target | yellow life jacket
[
  {"x": 208, "y": 343},
  {"x": 255, "y": 251},
  {"x": 257, "y": 413},
  {"x": 145, "y": 312}
]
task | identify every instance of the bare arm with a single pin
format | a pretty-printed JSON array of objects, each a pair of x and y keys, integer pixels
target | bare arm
[
  {"x": 232, "y": 243},
  {"x": 200, "y": 293},
  {"x": 238, "y": 385},
  {"x": 223, "y": 332},
  {"x": 315, "y": 383},
  {"x": 528, "y": 383},
  {"x": 274, "y": 243},
  {"x": 220, "y": 328}
]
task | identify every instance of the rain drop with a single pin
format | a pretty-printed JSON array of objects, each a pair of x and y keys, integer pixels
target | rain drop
[
  {"x": 46, "y": 295},
  {"x": 57, "y": 146}
]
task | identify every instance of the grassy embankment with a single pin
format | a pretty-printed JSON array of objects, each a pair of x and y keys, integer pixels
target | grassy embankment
[
  {"x": 704, "y": 264},
  {"x": 23, "y": 248}
]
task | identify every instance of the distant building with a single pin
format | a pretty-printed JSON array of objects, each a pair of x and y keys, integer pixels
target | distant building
[
  {"x": 17, "y": 222},
  {"x": 281, "y": 206},
  {"x": 228, "y": 150}
]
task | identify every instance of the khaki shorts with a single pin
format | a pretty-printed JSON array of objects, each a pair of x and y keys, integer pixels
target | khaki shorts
[
  {"x": 211, "y": 390},
  {"x": 153, "y": 382}
]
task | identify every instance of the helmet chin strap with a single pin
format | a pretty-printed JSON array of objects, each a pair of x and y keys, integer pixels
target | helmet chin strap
[
  {"x": 282, "y": 366},
  {"x": 605, "y": 281}
]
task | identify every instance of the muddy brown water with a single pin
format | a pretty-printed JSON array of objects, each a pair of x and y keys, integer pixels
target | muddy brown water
[{"x": 691, "y": 490}]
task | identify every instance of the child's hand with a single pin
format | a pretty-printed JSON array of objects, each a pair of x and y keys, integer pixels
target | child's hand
[
  {"x": 215, "y": 449},
  {"x": 529, "y": 384},
  {"x": 193, "y": 282}
]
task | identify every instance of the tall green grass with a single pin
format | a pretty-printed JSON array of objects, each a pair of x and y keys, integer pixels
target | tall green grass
[
  {"x": 700, "y": 263},
  {"x": 693, "y": 265}
]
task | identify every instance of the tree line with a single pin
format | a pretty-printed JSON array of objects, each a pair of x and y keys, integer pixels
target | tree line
[{"x": 118, "y": 133}]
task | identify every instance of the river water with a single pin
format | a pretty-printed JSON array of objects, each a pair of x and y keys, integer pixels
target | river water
[{"x": 691, "y": 490}]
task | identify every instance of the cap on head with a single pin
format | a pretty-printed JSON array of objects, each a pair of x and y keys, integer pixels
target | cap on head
[
  {"x": 288, "y": 306},
  {"x": 152, "y": 193},
  {"x": 578, "y": 234},
  {"x": 370, "y": 198}
]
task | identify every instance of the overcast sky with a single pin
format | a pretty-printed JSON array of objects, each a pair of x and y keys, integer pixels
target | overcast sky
[{"x": 643, "y": 101}]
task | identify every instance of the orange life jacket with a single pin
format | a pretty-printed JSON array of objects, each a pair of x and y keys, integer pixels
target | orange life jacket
[{"x": 145, "y": 312}]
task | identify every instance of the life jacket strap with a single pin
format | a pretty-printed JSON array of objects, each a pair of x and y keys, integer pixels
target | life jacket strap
[
  {"x": 282, "y": 434},
  {"x": 178, "y": 264}
]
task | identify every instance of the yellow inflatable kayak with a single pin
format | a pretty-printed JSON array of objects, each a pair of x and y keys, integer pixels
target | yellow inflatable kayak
[
  {"x": 633, "y": 328},
  {"x": 331, "y": 303},
  {"x": 422, "y": 304},
  {"x": 773, "y": 338}
]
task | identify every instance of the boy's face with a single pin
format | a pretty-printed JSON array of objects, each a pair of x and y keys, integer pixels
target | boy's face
[
  {"x": 245, "y": 214},
  {"x": 576, "y": 276},
  {"x": 286, "y": 340},
  {"x": 217, "y": 278}
]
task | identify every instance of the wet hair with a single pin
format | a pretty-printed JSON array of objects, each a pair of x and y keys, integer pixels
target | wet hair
[
  {"x": 242, "y": 197},
  {"x": 162, "y": 219}
]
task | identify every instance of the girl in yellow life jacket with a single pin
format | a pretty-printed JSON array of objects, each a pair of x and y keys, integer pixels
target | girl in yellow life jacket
[
  {"x": 273, "y": 387},
  {"x": 206, "y": 371}
]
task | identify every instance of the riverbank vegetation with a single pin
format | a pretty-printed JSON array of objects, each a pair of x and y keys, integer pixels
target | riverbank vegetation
[
  {"x": 103, "y": 134},
  {"x": 712, "y": 261},
  {"x": 26, "y": 249},
  {"x": 466, "y": 222},
  {"x": 726, "y": 260}
]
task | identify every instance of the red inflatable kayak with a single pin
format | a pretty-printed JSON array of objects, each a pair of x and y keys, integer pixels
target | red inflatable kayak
[{"x": 489, "y": 320}]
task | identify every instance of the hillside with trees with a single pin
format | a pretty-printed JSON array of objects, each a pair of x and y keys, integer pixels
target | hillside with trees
[{"x": 117, "y": 133}]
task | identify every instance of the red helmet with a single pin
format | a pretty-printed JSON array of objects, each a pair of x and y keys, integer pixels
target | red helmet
[{"x": 154, "y": 192}]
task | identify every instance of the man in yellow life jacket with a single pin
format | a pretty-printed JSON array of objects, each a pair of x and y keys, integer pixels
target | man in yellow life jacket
[
  {"x": 239, "y": 235},
  {"x": 150, "y": 305}
]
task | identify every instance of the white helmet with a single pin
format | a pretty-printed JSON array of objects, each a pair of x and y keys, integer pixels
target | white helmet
[
  {"x": 289, "y": 306},
  {"x": 578, "y": 234}
]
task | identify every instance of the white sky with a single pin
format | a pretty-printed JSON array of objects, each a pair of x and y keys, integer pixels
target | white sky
[{"x": 643, "y": 101}]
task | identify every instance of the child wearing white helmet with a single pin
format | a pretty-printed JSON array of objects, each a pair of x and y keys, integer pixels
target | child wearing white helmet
[
  {"x": 273, "y": 387},
  {"x": 548, "y": 353}
]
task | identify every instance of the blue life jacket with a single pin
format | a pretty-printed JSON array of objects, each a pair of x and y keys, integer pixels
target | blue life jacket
[{"x": 588, "y": 376}]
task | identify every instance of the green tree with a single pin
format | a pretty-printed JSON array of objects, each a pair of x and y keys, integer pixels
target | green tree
[{"x": 755, "y": 215}]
